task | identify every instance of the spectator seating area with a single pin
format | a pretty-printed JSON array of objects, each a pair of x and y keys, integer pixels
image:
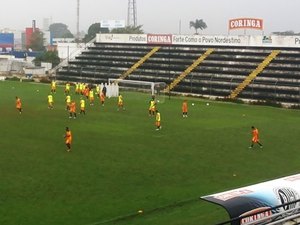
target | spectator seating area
[{"x": 218, "y": 72}]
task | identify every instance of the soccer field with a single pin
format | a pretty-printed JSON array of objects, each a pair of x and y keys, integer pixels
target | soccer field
[{"x": 120, "y": 164}]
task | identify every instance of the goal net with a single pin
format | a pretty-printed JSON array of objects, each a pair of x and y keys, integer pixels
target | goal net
[{"x": 153, "y": 88}]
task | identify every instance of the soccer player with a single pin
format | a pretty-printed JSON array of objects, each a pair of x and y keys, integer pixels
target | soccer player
[
  {"x": 72, "y": 110},
  {"x": 120, "y": 102},
  {"x": 18, "y": 104},
  {"x": 68, "y": 102},
  {"x": 86, "y": 92},
  {"x": 77, "y": 88},
  {"x": 104, "y": 90},
  {"x": 82, "y": 106},
  {"x": 102, "y": 98},
  {"x": 53, "y": 86},
  {"x": 184, "y": 108},
  {"x": 158, "y": 120},
  {"x": 255, "y": 137},
  {"x": 67, "y": 88},
  {"x": 152, "y": 107},
  {"x": 68, "y": 139},
  {"x": 50, "y": 101},
  {"x": 98, "y": 90},
  {"x": 91, "y": 96}
]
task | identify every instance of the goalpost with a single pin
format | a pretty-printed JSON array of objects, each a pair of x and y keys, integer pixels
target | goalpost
[{"x": 153, "y": 88}]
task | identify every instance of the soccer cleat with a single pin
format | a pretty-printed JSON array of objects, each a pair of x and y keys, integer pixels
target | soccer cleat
[
  {"x": 261, "y": 146},
  {"x": 250, "y": 146}
]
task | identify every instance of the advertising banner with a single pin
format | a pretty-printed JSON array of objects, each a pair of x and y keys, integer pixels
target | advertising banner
[
  {"x": 210, "y": 40},
  {"x": 162, "y": 39},
  {"x": 203, "y": 40},
  {"x": 6, "y": 40},
  {"x": 259, "y": 198},
  {"x": 112, "y": 23},
  {"x": 245, "y": 23},
  {"x": 122, "y": 38}
]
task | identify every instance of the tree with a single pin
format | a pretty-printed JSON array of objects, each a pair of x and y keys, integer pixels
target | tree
[
  {"x": 60, "y": 30},
  {"x": 128, "y": 30},
  {"x": 198, "y": 24},
  {"x": 93, "y": 30},
  {"x": 49, "y": 56},
  {"x": 36, "y": 41}
]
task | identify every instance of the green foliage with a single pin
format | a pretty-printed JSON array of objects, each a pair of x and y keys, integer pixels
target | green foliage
[
  {"x": 37, "y": 41},
  {"x": 128, "y": 30},
  {"x": 60, "y": 30},
  {"x": 93, "y": 30},
  {"x": 49, "y": 56},
  {"x": 120, "y": 164},
  {"x": 198, "y": 24}
]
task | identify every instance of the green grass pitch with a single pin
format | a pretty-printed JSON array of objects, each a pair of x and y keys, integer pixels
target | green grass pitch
[{"x": 120, "y": 164}]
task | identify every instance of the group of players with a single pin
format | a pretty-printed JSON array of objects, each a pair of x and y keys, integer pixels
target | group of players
[{"x": 88, "y": 92}]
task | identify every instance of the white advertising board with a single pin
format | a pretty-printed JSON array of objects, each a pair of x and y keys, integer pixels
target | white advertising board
[
  {"x": 112, "y": 23},
  {"x": 203, "y": 40},
  {"x": 261, "y": 198}
]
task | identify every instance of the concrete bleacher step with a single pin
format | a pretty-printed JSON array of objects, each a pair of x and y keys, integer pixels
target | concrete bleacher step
[
  {"x": 139, "y": 63},
  {"x": 189, "y": 69},
  {"x": 254, "y": 73}
]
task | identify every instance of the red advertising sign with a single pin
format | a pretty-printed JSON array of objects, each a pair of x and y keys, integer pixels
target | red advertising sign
[
  {"x": 246, "y": 23},
  {"x": 162, "y": 39}
]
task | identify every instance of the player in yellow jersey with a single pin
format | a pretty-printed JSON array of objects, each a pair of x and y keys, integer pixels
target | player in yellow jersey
[
  {"x": 120, "y": 102},
  {"x": 98, "y": 90},
  {"x": 67, "y": 88},
  {"x": 152, "y": 107},
  {"x": 50, "y": 101},
  {"x": 81, "y": 88},
  {"x": 68, "y": 102},
  {"x": 158, "y": 120},
  {"x": 82, "y": 106},
  {"x": 91, "y": 96},
  {"x": 77, "y": 88},
  {"x": 53, "y": 86}
]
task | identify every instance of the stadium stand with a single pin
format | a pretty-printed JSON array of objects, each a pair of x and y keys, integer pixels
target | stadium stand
[{"x": 217, "y": 75}]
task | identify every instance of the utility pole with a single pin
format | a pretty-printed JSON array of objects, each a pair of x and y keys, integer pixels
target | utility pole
[
  {"x": 77, "y": 25},
  {"x": 132, "y": 13}
]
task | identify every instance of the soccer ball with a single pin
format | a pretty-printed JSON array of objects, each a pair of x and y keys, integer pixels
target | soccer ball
[
  {"x": 207, "y": 104},
  {"x": 193, "y": 104},
  {"x": 157, "y": 100}
]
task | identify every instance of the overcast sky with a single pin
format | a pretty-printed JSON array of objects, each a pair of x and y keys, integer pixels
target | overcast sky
[{"x": 156, "y": 16}]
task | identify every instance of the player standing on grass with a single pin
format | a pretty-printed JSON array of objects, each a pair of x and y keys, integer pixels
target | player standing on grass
[
  {"x": 91, "y": 96},
  {"x": 67, "y": 88},
  {"x": 72, "y": 110},
  {"x": 184, "y": 108},
  {"x": 68, "y": 139},
  {"x": 102, "y": 98},
  {"x": 50, "y": 101},
  {"x": 158, "y": 120},
  {"x": 18, "y": 104},
  {"x": 120, "y": 102},
  {"x": 53, "y": 86},
  {"x": 68, "y": 102},
  {"x": 255, "y": 137},
  {"x": 82, "y": 106},
  {"x": 152, "y": 107}
]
